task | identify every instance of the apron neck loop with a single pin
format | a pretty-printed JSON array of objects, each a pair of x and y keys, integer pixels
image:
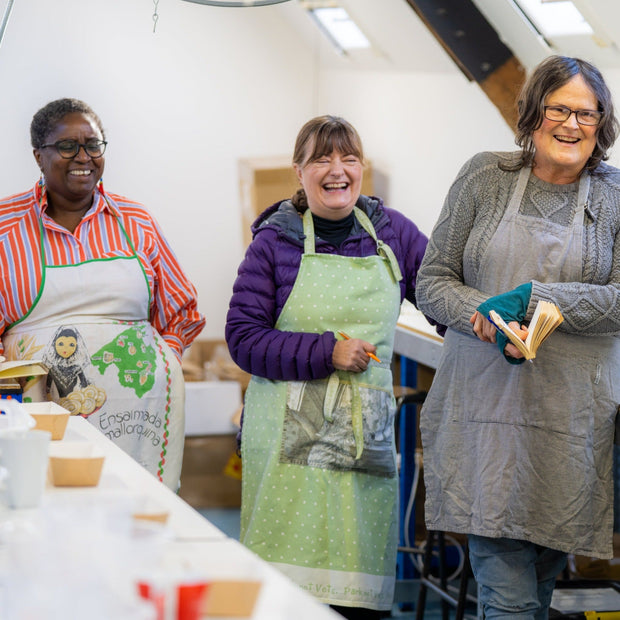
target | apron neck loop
[
  {"x": 309, "y": 246},
  {"x": 582, "y": 192},
  {"x": 383, "y": 249}
]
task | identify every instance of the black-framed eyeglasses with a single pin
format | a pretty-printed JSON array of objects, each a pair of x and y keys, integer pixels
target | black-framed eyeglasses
[
  {"x": 560, "y": 113},
  {"x": 68, "y": 149}
]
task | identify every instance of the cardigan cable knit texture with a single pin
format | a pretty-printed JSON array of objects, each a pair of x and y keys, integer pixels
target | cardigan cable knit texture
[{"x": 471, "y": 214}]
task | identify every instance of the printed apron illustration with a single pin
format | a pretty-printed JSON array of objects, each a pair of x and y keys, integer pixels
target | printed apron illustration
[
  {"x": 68, "y": 362},
  {"x": 90, "y": 325},
  {"x": 335, "y": 450}
]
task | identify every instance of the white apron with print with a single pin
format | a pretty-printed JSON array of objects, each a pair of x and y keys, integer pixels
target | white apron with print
[
  {"x": 525, "y": 451},
  {"x": 319, "y": 476},
  {"x": 90, "y": 325}
]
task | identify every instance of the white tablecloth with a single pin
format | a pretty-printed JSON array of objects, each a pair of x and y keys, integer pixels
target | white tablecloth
[{"x": 76, "y": 552}]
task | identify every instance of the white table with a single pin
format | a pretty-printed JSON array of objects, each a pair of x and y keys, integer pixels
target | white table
[
  {"x": 122, "y": 475},
  {"x": 416, "y": 338},
  {"x": 79, "y": 558}
]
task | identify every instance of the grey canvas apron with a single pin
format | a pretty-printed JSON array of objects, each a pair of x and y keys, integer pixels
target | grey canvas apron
[
  {"x": 319, "y": 476},
  {"x": 524, "y": 451}
]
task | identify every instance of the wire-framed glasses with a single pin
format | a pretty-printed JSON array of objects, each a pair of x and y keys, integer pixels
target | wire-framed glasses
[
  {"x": 561, "y": 113},
  {"x": 68, "y": 149}
]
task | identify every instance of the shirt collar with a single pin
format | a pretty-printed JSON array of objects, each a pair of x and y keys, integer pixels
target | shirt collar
[{"x": 100, "y": 204}]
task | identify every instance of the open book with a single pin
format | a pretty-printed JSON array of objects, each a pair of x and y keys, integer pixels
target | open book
[
  {"x": 10, "y": 369},
  {"x": 546, "y": 318}
]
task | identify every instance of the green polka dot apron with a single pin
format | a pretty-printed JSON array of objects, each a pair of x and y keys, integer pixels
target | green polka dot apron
[
  {"x": 89, "y": 324},
  {"x": 319, "y": 493}
]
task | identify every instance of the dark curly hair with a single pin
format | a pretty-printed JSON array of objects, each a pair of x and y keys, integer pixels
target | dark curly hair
[
  {"x": 551, "y": 74},
  {"x": 48, "y": 117}
]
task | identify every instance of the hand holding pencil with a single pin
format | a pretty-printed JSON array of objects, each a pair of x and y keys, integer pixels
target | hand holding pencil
[
  {"x": 351, "y": 354},
  {"x": 371, "y": 355}
]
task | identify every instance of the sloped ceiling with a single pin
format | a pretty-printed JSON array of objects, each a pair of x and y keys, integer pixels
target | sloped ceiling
[
  {"x": 406, "y": 37},
  {"x": 601, "y": 48},
  {"x": 404, "y": 43},
  {"x": 401, "y": 42}
]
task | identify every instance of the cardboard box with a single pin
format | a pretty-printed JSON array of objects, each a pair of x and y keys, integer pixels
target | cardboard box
[
  {"x": 75, "y": 464},
  {"x": 204, "y": 483},
  {"x": 231, "y": 598},
  {"x": 211, "y": 357},
  {"x": 49, "y": 416}
]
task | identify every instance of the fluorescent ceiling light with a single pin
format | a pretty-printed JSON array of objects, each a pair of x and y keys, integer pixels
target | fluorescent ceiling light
[
  {"x": 340, "y": 28},
  {"x": 555, "y": 17}
]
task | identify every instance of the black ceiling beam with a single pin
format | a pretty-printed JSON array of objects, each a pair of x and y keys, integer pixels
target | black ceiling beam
[{"x": 475, "y": 47}]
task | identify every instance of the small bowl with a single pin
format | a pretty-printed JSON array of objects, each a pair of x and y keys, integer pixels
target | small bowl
[
  {"x": 49, "y": 416},
  {"x": 75, "y": 464},
  {"x": 147, "y": 509}
]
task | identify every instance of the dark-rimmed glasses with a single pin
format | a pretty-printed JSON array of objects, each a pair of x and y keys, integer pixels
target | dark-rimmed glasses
[
  {"x": 68, "y": 149},
  {"x": 560, "y": 113}
]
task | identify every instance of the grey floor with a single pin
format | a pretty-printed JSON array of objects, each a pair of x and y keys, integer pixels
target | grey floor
[{"x": 228, "y": 520}]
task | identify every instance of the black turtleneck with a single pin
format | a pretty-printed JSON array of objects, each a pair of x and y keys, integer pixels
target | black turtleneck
[{"x": 333, "y": 231}]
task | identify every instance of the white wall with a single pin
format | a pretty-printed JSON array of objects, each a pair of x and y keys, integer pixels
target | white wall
[
  {"x": 179, "y": 106},
  {"x": 418, "y": 130},
  {"x": 211, "y": 85}
]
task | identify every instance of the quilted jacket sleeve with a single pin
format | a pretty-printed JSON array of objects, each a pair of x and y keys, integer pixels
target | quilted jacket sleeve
[{"x": 254, "y": 343}]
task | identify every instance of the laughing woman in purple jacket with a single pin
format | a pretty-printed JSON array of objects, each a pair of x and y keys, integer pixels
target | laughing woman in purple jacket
[{"x": 312, "y": 318}]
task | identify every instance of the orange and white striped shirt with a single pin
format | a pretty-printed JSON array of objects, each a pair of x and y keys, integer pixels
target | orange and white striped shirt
[{"x": 27, "y": 234}]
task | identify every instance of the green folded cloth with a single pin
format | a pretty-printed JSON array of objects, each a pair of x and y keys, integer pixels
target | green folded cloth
[{"x": 511, "y": 306}]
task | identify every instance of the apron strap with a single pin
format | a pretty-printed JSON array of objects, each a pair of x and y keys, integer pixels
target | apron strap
[
  {"x": 309, "y": 246},
  {"x": 356, "y": 415},
  {"x": 383, "y": 249},
  {"x": 357, "y": 422}
]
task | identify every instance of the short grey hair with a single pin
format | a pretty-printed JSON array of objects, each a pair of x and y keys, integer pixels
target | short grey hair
[{"x": 48, "y": 117}]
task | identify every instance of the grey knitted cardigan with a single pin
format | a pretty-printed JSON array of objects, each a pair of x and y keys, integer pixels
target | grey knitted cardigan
[{"x": 471, "y": 213}]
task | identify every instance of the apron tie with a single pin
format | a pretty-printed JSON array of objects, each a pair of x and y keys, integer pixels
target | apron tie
[
  {"x": 356, "y": 416},
  {"x": 333, "y": 383},
  {"x": 385, "y": 251}
]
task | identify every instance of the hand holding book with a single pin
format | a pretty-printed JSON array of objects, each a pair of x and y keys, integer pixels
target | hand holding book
[
  {"x": 545, "y": 320},
  {"x": 511, "y": 306}
]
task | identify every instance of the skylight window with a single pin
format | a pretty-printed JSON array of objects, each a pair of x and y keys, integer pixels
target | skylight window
[
  {"x": 342, "y": 31},
  {"x": 554, "y": 18}
]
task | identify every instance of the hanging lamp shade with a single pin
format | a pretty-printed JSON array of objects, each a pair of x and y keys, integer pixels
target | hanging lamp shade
[{"x": 238, "y": 3}]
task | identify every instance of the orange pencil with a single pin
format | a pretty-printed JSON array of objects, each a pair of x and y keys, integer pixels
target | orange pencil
[{"x": 371, "y": 355}]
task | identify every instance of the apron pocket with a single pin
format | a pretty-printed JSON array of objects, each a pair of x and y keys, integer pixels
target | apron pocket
[
  {"x": 547, "y": 394},
  {"x": 316, "y": 437}
]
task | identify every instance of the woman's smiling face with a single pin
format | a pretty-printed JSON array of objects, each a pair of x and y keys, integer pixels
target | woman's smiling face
[
  {"x": 72, "y": 180},
  {"x": 564, "y": 147},
  {"x": 332, "y": 184}
]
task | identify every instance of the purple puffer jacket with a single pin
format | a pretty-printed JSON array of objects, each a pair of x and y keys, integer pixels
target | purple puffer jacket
[{"x": 268, "y": 272}]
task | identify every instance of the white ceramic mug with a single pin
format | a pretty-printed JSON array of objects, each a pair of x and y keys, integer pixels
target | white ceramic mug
[{"x": 25, "y": 456}]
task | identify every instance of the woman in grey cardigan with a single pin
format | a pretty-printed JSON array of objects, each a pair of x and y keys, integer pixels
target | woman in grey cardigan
[{"x": 519, "y": 455}]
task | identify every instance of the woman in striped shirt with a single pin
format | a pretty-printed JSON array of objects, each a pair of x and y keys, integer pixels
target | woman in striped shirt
[{"x": 89, "y": 284}]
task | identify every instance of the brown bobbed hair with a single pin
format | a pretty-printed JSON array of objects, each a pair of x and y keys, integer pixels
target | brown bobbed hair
[
  {"x": 551, "y": 74},
  {"x": 321, "y": 136}
]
